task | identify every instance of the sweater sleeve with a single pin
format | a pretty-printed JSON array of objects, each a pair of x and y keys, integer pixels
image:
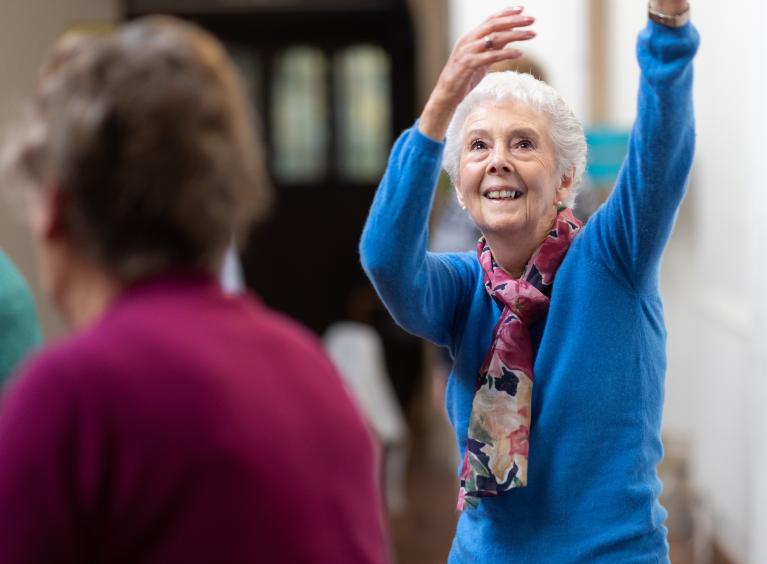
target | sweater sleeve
[
  {"x": 421, "y": 290},
  {"x": 631, "y": 230},
  {"x": 19, "y": 328}
]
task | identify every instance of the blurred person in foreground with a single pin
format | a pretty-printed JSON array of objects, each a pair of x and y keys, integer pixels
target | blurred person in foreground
[
  {"x": 563, "y": 470},
  {"x": 19, "y": 326},
  {"x": 177, "y": 424}
]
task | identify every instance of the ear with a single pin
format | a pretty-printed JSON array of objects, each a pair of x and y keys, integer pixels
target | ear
[
  {"x": 459, "y": 196},
  {"x": 51, "y": 223},
  {"x": 566, "y": 184}
]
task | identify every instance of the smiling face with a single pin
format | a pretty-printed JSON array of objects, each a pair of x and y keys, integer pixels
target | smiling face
[{"x": 508, "y": 177}]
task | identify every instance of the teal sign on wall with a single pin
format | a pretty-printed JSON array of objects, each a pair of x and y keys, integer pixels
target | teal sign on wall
[{"x": 607, "y": 149}]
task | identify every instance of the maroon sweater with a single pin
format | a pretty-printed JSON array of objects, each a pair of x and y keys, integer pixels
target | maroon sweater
[{"x": 186, "y": 426}]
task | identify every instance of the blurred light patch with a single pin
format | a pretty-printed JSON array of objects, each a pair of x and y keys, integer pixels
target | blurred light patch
[
  {"x": 607, "y": 149},
  {"x": 299, "y": 117},
  {"x": 362, "y": 105}
]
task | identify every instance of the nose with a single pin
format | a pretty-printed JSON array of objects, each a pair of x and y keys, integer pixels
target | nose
[{"x": 500, "y": 163}]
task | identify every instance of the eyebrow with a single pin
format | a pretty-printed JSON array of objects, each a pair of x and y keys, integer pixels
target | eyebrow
[{"x": 516, "y": 132}]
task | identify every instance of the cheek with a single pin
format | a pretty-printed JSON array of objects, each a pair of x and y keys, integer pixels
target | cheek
[
  {"x": 549, "y": 177},
  {"x": 544, "y": 166},
  {"x": 471, "y": 167}
]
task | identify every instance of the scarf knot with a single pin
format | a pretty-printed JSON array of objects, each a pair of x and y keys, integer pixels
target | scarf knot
[{"x": 522, "y": 299}]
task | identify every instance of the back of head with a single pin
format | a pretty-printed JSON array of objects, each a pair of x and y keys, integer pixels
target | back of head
[{"x": 147, "y": 135}]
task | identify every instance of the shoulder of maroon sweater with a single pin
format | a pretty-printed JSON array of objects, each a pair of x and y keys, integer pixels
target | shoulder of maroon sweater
[
  {"x": 280, "y": 326},
  {"x": 65, "y": 364},
  {"x": 43, "y": 389},
  {"x": 308, "y": 355},
  {"x": 105, "y": 360}
]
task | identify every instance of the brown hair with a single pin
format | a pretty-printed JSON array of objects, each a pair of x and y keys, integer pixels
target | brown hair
[{"x": 147, "y": 134}]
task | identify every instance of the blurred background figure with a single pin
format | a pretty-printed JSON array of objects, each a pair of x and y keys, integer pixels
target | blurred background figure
[
  {"x": 19, "y": 328},
  {"x": 304, "y": 59},
  {"x": 232, "y": 279},
  {"x": 356, "y": 349},
  {"x": 178, "y": 423}
]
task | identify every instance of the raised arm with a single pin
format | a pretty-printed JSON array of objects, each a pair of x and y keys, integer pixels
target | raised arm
[
  {"x": 633, "y": 227},
  {"x": 417, "y": 287},
  {"x": 423, "y": 290}
]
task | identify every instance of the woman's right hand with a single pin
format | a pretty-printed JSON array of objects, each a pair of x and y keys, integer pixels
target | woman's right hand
[{"x": 468, "y": 64}]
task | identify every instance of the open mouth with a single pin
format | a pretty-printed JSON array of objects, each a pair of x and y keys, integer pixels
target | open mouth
[{"x": 503, "y": 194}]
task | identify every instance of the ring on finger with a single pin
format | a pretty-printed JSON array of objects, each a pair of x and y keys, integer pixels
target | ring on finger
[{"x": 488, "y": 44}]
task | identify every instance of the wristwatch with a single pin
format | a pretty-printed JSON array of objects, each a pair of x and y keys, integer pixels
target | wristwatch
[{"x": 669, "y": 20}]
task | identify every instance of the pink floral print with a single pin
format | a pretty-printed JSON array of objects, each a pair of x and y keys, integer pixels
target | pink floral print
[{"x": 498, "y": 443}]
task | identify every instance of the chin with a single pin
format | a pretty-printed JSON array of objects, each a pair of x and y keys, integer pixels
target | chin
[{"x": 503, "y": 228}]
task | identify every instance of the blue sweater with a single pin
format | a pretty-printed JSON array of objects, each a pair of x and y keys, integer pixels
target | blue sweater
[{"x": 600, "y": 354}]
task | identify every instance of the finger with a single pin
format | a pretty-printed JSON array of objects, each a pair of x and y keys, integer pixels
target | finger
[
  {"x": 490, "y": 57},
  {"x": 495, "y": 41},
  {"x": 501, "y": 24},
  {"x": 513, "y": 11}
]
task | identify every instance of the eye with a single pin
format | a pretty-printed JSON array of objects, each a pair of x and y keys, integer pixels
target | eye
[
  {"x": 477, "y": 145},
  {"x": 524, "y": 144}
]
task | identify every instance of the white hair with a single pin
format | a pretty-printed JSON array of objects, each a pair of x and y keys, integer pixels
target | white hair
[{"x": 566, "y": 132}]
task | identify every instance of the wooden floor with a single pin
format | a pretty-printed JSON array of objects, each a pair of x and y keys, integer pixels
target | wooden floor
[{"x": 423, "y": 532}]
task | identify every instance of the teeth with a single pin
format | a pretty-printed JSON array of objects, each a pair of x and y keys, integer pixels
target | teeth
[{"x": 502, "y": 194}]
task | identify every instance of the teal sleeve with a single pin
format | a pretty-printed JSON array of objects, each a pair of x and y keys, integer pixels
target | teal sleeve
[{"x": 19, "y": 327}]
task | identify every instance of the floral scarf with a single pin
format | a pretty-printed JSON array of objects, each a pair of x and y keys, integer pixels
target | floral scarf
[{"x": 499, "y": 427}]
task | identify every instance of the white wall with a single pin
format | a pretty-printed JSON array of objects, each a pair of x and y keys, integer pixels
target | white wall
[
  {"x": 754, "y": 76},
  {"x": 758, "y": 374},
  {"x": 27, "y": 30}
]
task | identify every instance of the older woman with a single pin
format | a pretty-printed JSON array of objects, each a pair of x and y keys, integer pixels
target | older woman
[
  {"x": 556, "y": 329},
  {"x": 178, "y": 424}
]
